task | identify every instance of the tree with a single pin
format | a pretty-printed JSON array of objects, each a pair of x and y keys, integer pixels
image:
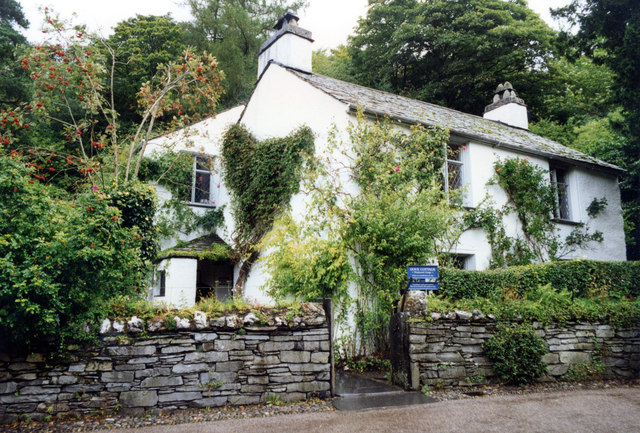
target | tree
[
  {"x": 613, "y": 27},
  {"x": 12, "y": 78},
  {"x": 73, "y": 85},
  {"x": 336, "y": 64},
  {"x": 233, "y": 32},
  {"x": 65, "y": 251},
  {"x": 451, "y": 53},
  {"x": 140, "y": 45}
]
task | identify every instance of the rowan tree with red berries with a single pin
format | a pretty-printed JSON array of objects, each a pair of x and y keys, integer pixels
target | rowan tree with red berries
[{"x": 66, "y": 146}]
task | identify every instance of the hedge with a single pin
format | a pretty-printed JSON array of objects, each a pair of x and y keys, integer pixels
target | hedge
[{"x": 580, "y": 277}]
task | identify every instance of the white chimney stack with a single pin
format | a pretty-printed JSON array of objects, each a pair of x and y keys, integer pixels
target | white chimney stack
[
  {"x": 507, "y": 107},
  {"x": 289, "y": 46}
]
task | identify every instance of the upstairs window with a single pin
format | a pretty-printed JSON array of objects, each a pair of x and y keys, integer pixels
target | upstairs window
[
  {"x": 562, "y": 209},
  {"x": 453, "y": 170},
  {"x": 204, "y": 190}
]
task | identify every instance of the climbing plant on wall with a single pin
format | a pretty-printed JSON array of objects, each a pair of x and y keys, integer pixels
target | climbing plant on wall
[
  {"x": 262, "y": 177},
  {"x": 173, "y": 170},
  {"x": 376, "y": 206},
  {"x": 533, "y": 199}
]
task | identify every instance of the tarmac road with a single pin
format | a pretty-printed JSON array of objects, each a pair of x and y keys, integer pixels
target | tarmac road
[{"x": 606, "y": 410}]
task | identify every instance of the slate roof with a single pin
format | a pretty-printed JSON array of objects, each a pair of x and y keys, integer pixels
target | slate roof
[{"x": 460, "y": 124}]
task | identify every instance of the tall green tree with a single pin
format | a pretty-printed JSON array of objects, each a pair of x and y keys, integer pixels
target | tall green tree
[
  {"x": 451, "y": 53},
  {"x": 233, "y": 30},
  {"x": 614, "y": 27},
  {"x": 138, "y": 46},
  {"x": 13, "y": 80}
]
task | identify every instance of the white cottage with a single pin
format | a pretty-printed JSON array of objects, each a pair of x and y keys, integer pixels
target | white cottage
[{"x": 288, "y": 95}]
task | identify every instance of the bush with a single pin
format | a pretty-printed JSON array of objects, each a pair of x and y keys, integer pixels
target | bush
[
  {"x": 517, "y": 353},
  {"x": 582, "y": 278},
  {"x": 59, "y": 261}
]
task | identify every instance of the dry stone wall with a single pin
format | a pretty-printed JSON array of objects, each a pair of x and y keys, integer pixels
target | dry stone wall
[
  {"x": 448, "y": 350},
  {"x": 229, "y": 360}
]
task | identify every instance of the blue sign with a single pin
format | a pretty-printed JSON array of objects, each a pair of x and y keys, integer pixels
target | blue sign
[
  {"x": 423, "y": 285},
  {"x": 429, "y": 272}
]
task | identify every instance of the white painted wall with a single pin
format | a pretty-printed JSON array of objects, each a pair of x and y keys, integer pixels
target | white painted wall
[
  {"x": 280, "y": 104},
  {"x": 584, "y": 185},
  {"x": 511, "y": 114},
  {"x": 180, "y": 282},
  {"x": 291, "y": 50},
  {"x": 203, "y": 137}
]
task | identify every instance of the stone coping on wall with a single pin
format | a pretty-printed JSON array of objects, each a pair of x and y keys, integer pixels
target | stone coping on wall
[
  {"x": 310, "y": 314},
  {"x": 234, "y": 359}
]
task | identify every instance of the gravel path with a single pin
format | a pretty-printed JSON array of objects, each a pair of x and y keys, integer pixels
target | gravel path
[{"x": 96, "y": 422}]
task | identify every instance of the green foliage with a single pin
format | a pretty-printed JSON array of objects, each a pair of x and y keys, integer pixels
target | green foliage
[
  {"x": 305, "y": 265},
  {"x": 578, "y": 90},
  {"x": 59, "y": 261},
  {"x": 592, "y": 371},
  {"x": 174, "y": 171},
  {"x": 401, "y": 216},
  {"x": 336, "y": 64},
  {"x": 137, "y": 204},
  {"x": 533, "y": 199},
  {"x": 262, "y": 176},
  {"x": 274, "y": 400},
  {"x": 170, "y": 323},
  {"x": 447, "y": 52},
  {"x": 140, "y": 45},
  {"x": 584, "y": 278},
  {"x": 13, "y": 79},
  {"x": 233, "y": 32},
  {"x": 516, "y": 352},
  {"x": 534, "y": 293},
  {"x": 371, "y": 362}
]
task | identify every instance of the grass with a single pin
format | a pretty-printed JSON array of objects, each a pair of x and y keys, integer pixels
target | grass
[
  {"x": 122, "y": 308},
  {"x": 546, "y": 305}
]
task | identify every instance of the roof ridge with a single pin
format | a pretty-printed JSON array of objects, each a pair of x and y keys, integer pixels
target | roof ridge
[{"x": 533, "y": 143}]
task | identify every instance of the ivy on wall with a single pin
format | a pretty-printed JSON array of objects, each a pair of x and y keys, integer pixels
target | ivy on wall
[
  {"x": 174, "y": 171},
  {"x": 262, "y": 177},
  {"x": 533, "y": 199}
]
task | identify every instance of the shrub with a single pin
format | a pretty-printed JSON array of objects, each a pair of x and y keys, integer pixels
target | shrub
[
  {"x": 583, "y": 278},
  {"x": 517, "y": 353},
  {"x": 59, "y": 260}
]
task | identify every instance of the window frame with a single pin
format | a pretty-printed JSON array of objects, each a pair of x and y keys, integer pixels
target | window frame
[
  {"x": 562, "y": 210},
  {"x": 160, "y": 286},
  {"x": 214, "y": 181},
  {"x": 454, "y": 157}
]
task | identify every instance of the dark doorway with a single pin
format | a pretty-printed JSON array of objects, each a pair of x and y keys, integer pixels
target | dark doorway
[{"x": 214, "y": 279}]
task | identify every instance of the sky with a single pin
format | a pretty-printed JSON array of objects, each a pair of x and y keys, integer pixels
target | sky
[{"x": 329, "y": 27}]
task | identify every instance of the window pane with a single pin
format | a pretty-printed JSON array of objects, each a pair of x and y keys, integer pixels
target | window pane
[
  {"x": 202, "y": 186},
  {"x": 454, "y": 169},
  {"x": 203, "y": 163},
  {"x": 563, "y": 200}
]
